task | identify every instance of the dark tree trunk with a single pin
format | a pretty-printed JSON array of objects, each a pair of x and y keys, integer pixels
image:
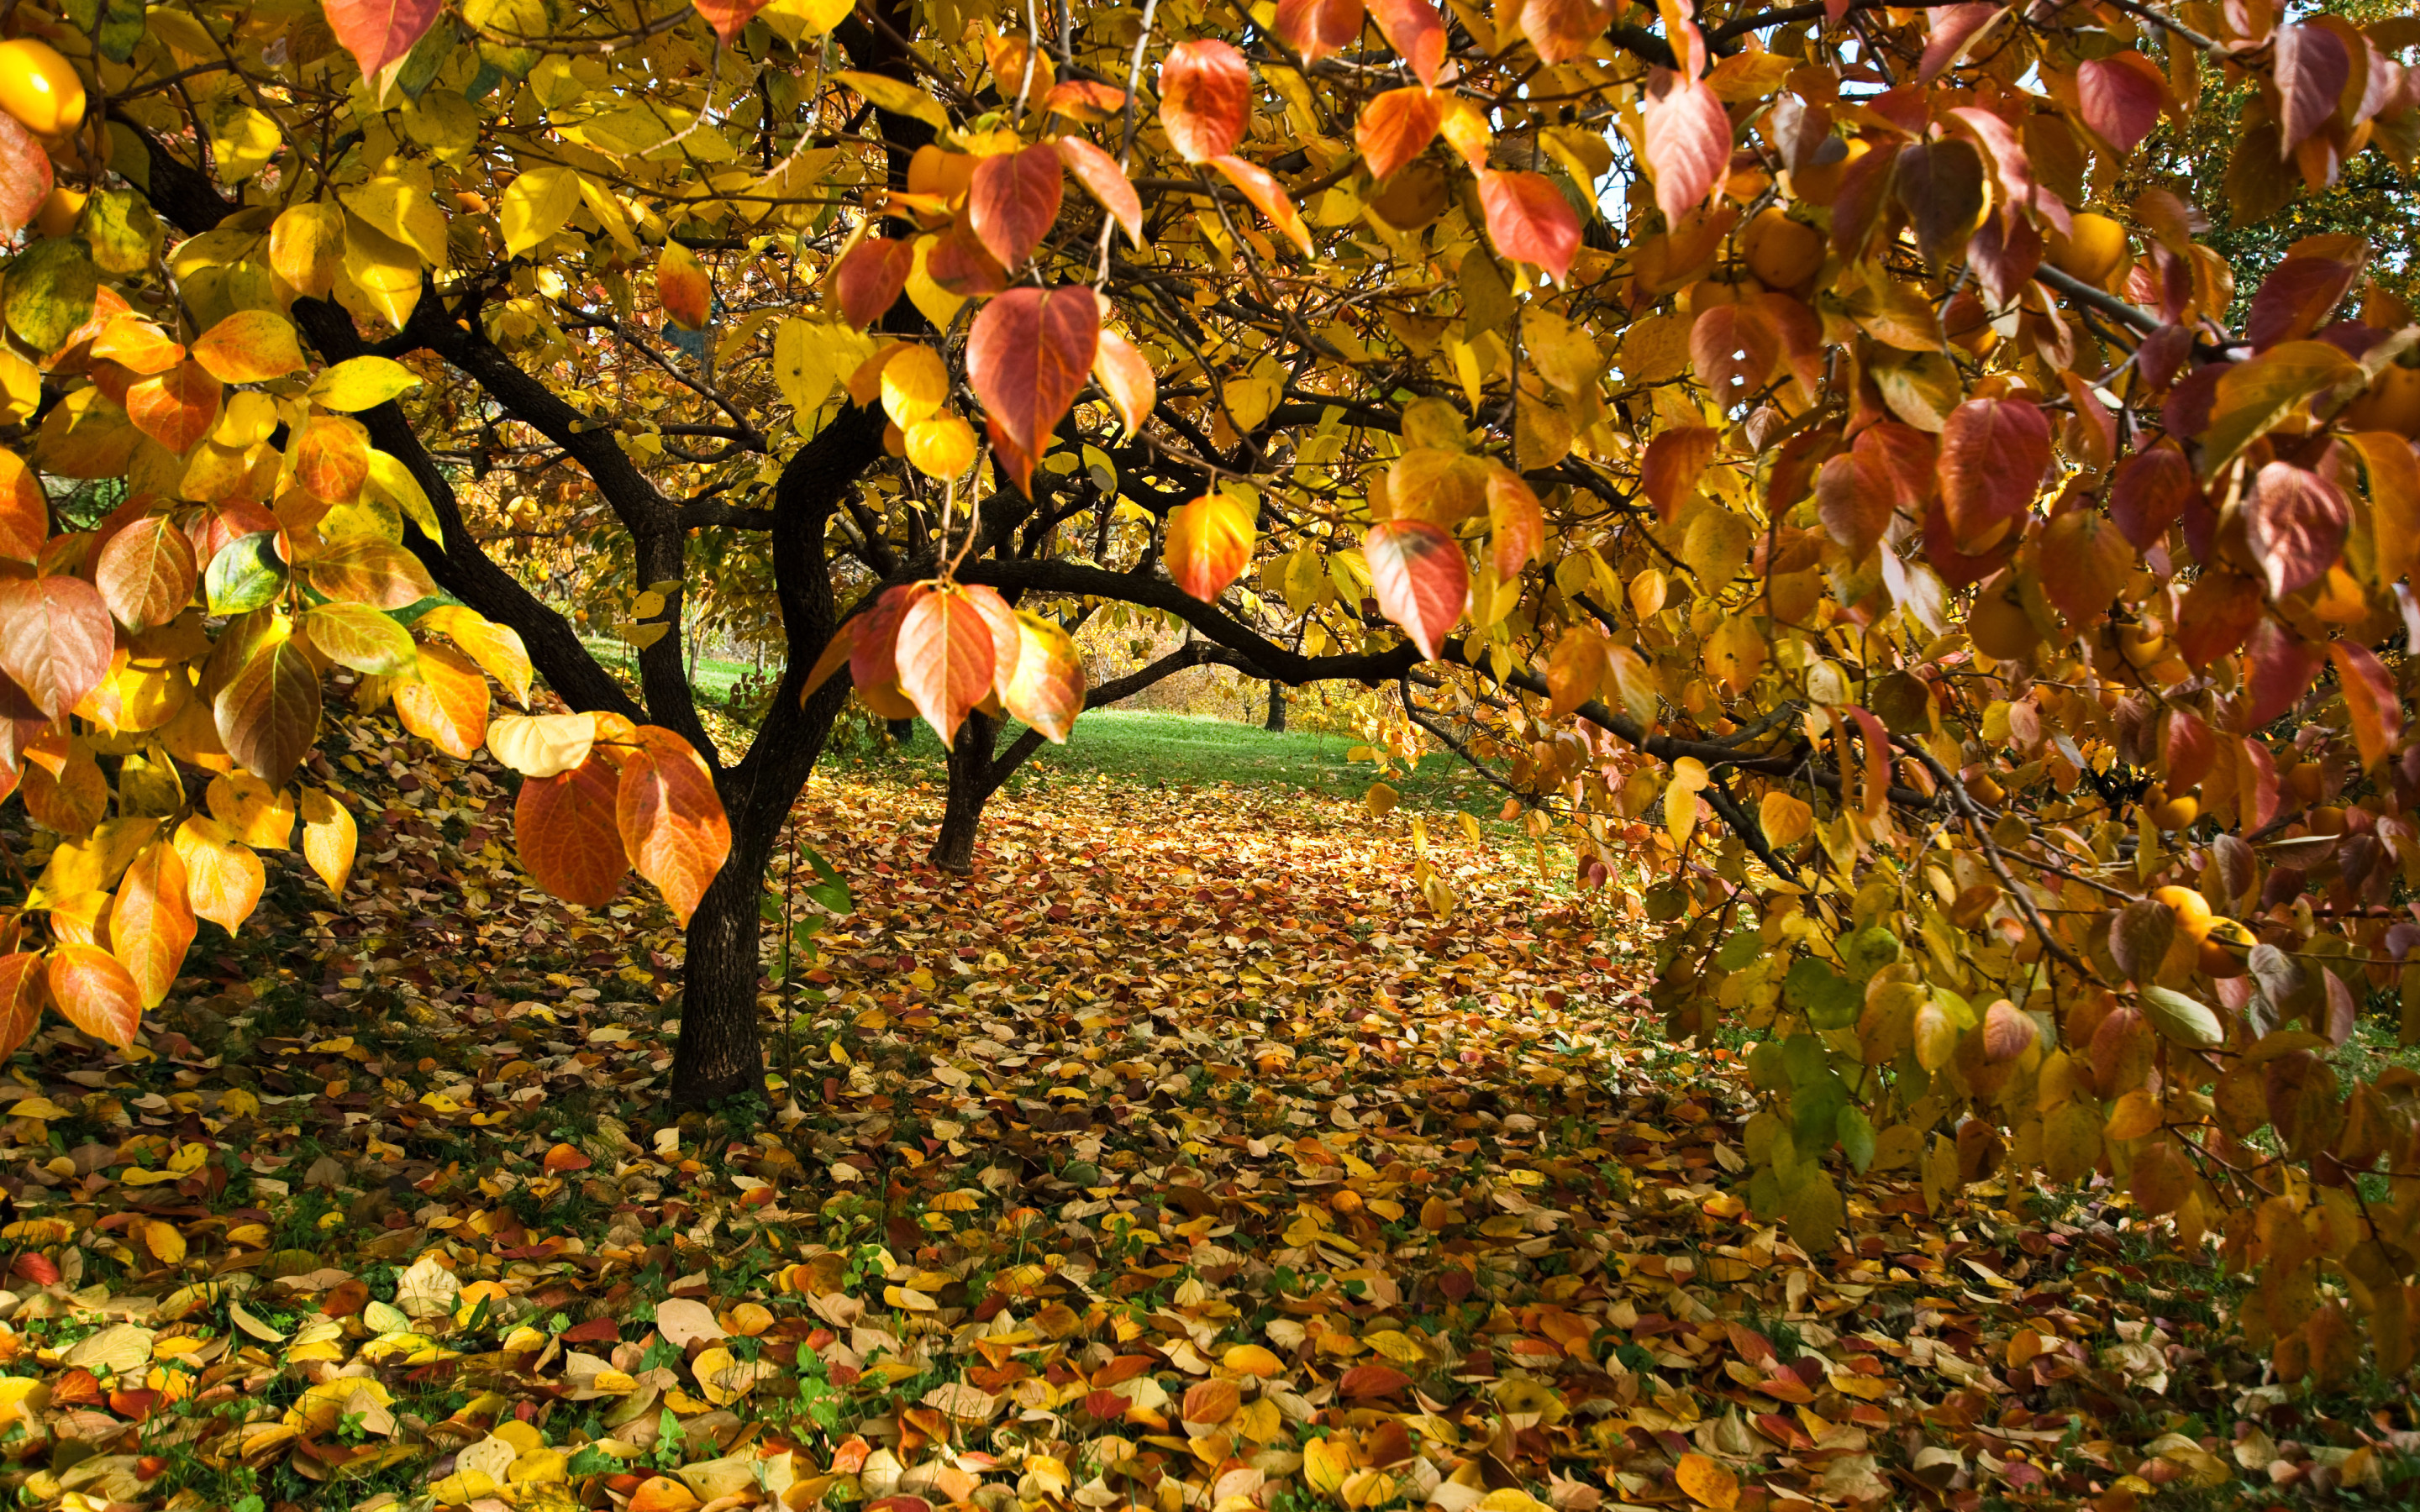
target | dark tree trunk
[
  {"x": 972, "y": 782},
  {"x": 1277, "y": 708},
  {"x": 902, "y": 730},
  {"x": 719, "y": 1054}
]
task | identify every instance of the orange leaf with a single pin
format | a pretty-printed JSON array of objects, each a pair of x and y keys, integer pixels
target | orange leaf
[
  {"x": 22, "y": 987},
  {"x": 55, "y": 639},
  {"x": 1048, "y": 689},
  {"x": 1125, "y": 376},
  {"x": 682, "y": 285},
  {"x": 1268, "y": 196},
  {"x": 151, "y": 924},
  {"x": 223, "y": 879},
  {"x": 945, "y": 658},
  {"x": 566, "y": 1158},
  {"x": 1394, "y": 126},
  {"x": 268, "y": 714},
  {"x": 446, "y": 704},
  {"x": 563, "y": 827},
  {"x": 1028, "y": 353},
  {"x": 332, "y": 460},
  {"x": 1105, "y": 181},
  {"x": 366, "y": 570},
  {"x": 329, "y": 838},
  {"x": 379, "y": 32},
  {"x": 95, "y": 993},
  {"x": 146, "y": 573},
  {"x": 1419, "y": 575},
  {"x": 1530, "y": 221},
  {"x": 1706, "y": 1483},
  {"x": 1205, "y": 99},
  {"x": 670, "y": 817},
  {"x": 175, "y": 409},
  {"x": 250, "y": 347},
  {"x": 1014, "y": 201},
  {"x": 1209, "y": 544}
]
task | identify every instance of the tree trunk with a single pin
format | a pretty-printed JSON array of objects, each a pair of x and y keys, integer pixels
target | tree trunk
[
  {"x": 970, "y": 787},
  {"x": 1277, "y": 708},
  {"x": 719, "y": 1054}
]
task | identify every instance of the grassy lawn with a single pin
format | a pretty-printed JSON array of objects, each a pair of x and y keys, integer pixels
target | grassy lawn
[{"x": 1195, "y": 751}]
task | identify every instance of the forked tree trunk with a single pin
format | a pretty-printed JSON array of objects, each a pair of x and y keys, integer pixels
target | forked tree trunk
[
  {"x": 971, "y": 784},
  {"x": 1276, "y": 721}
]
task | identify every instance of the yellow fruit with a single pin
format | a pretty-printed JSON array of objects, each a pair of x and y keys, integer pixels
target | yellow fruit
[
  {"x": 2141, "y": 644},
  {"x": 1985, "y": 791},
  {"x": 1415, "y": 196},
  {"x": 2000, "y": 627},
  {"x": 2190, "y": 909},
  {"x": 2223, "y": 951},
  {"x": 2177, "y": 812},
  {"x": 2392, "y": 404},
  {"x": 2304, "y": 780},
  {"x": 2325, "y": 821},
  {"x": 59, "y": 213},
  {"x": 1780, "y": 252},
  {"x": 40, "y": 88},
  {"x": 2091, "y": 252}
]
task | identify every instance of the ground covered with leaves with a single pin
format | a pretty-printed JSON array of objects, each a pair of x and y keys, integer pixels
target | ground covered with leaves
[{"x": 1183, "y": 1159}]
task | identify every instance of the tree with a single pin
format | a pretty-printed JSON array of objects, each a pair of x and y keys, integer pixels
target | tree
[{"x": 1798, "y": 432}]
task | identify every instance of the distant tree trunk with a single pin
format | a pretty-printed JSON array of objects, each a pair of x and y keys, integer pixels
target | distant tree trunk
[
  {"x": 972, "y": 782},
  {"x": 1276, "y": 721}
]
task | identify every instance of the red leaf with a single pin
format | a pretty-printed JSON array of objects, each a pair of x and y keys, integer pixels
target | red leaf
[
  {"x": 151, "y": 923},
  {"x": 379, "y": 32},
  {"x": 564, "y": 829},
  {"x": 2278, "y": 666},
  {"x": 1268, "y": 196},
  {"x": 1006, "y": 643},
  {"x": 2084, "y": 563},
  {"x": 1994, "y": 453},
  {"x": 1688, "y": 141},
  {"x": 1530, "y": 221},
  {"x": 869, "y": 280},
  {"x": 1028, "y": 354},
  {"x": 2296, "y": 520},
  {"x": 1670, "y": 466},
  {"x": 1855, "y": 500},
  {"x": 145, "y": 573},
  {"x": 728, "y": 16},
  {"x": 1954, "y": 31},
  {"x": 21, "y": 991},
  {"x": 1105, "y": 181},
  {"x": 964, "y": 265},
  {"x": 2149, "y": 493},
  {"x": 2301, "y": 290},
  {"x": 870, "y": 658},
  {"x": 94, "y": 992},
  {"x": 2120, "y": 97},
  {"x": 1393, "y": 127},
  {"x": 2370, "y": 699},
  {"x": 175, "y": 409},
  {"x": 1733, "y": 348},
  {"x": 55, "y": 639},
  {"x": 670, "y": 817},
  {"x": 1205, "y": 99},
  {"x": 24, "y": 176},
  {"x": 945, "y": 658},
  {"x": 1421, "y": 583},
  {"x": 1316, "y": 28},
  {"x": 2188, "y": 749},
  {"x": 332, "y": 462},
  {"x": 2219, "y": 611},
  {"x": 2311, "y": 71},
  {"x": 1416, "y": 32},
  {"x": 1014, "y": 201},
  {"x": 1209, "y": 544},
  {"x": 1371, "y": 1380},
  {"x": 40, "y": 1269}
]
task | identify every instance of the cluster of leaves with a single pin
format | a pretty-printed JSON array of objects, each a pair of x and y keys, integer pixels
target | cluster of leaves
[{"x": 1034, "y": 1222}]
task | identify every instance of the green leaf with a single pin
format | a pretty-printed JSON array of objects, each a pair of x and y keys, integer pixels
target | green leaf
[
  {"x": 1857, "y": 1135},
  {"x": 49, "y": 291},
  {"x": 245, "y": 575},
  {"x": 121, "y": 230},
  {"x": 2183, "y": 1019}
]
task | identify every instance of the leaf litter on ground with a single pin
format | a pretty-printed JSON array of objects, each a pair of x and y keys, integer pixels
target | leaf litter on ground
[{"x": 1182, "y": 1158}]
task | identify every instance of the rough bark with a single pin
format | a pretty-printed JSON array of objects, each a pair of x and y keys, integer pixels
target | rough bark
[
  {"x": 972, "y": 781},
  {"x": 1276, "y": 721}
]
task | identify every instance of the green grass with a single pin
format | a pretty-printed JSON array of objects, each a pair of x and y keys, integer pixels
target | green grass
[
  {"x": 714, "y": 680},
  {"x": 1147, "y": 748}
]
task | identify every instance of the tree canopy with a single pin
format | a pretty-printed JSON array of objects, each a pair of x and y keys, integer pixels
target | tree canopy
[{"x": 1797, "y": 447}]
